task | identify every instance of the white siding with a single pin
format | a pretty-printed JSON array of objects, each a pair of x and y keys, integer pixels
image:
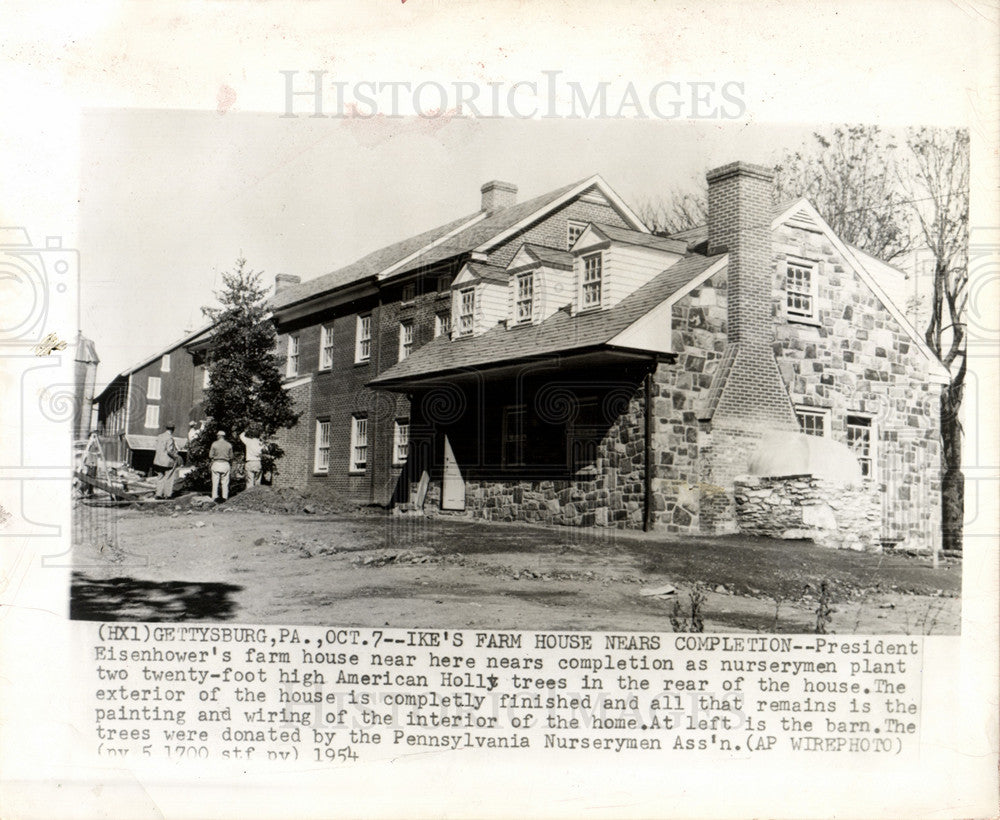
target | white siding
[
  {"x": 491, "y": 306},
  {"x": 628, "y": 267},
  {"x": 557, "y": 290}
]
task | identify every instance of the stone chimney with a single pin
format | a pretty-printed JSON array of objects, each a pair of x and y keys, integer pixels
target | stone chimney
[
  {"x": 285, "y": 280},
  {"x": 497, "y": 195}
]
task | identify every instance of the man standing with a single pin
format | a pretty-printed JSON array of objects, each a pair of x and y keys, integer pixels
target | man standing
[
  {"x": 165, "y": 461},
  {"x": 221, "y": 455},
  {"x": 251, "y": 441}
]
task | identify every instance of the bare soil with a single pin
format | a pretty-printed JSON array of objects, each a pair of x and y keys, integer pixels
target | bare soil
[{"x": 284, "y": 558}]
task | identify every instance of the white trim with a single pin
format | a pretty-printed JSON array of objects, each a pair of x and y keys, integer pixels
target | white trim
[
  {"x": 397, "y": 440},
  {"x": 151, "y": 383},
  {"x": 811, "y": 410},
  {"x": 291, "y": 360},
  {"x": 648, "y": 325},
  {"x": 615, "y": 201},
  {"x": 358, "y": 338},
  {"x": 938, "y": 373},
  {"x": 326, "y": 335},
  {"x": 291, "y": 385},
  {"x": 352, "y": 466},
  {"x": 317, "y": 469},
  {"x": 814, "y": 268},
  {"x": 385, "y": 272},
  {"x": 873, "y": 440}
]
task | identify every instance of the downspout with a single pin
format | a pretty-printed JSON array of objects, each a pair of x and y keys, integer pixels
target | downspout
[
  {"x": 373, "y": 417},
  {"x": 647, "y": 508}
]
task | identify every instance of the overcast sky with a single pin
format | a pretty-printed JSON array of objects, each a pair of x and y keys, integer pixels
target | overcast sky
[{"x": 170, "y": 199}]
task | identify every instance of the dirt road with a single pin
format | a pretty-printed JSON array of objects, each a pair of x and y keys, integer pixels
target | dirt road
[{"x": 364, "y": 569}]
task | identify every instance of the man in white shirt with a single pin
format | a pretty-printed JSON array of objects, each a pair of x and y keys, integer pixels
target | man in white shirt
[{"x": 251, "y": 441}]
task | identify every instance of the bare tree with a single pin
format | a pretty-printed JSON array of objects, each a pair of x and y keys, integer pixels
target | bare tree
[
  {"x": 936, "y": 181},
  {"x": 849, "y": 178},
  {"x": 678, "y": 211}
]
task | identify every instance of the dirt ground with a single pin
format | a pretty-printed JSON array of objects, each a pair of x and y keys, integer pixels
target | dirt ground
[{"x": 264, "y": 559}]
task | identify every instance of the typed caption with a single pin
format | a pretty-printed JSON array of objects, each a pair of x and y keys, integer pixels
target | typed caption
[{"x": 341, "y": 695}]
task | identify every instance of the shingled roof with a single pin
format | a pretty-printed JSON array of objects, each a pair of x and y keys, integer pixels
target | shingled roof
[
  {"x": 560, "y": 333},
  {"x": 480, "y": 229}
]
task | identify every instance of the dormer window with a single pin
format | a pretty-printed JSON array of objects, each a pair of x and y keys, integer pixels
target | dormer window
[
  {"x": 591, "y": 291},
  {"x": 525, "y": 297},
  {"x": 409, "y": 292},
  {"x": 574, "y": 231},
  {"x": 800, "y": 290},
  {"x": 466, "y": 311}
]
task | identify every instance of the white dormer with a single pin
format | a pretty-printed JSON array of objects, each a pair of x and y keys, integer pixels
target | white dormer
[
  {"x": 539, "y": 282},
  {"x": 609, "y": 263},
  {"x": 478, "y": 299}
]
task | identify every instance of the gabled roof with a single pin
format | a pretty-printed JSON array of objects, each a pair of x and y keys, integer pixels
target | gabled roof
[
  {"x": 186, "y": 340},
  {"x": 802, "y": 212},
  {"x": 559, "y": 333},
  {"x": 477, "y": 232},
  {"x": 802, "y": 208},
  {"x": 645, "y": 240},
  {"x": 482, "y": 272},
  {"x": 548, "y": 256},
  {"x": 368, "y": 266}
]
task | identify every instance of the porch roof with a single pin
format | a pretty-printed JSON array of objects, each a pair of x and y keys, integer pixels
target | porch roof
[{"x": 561, "y": 333}]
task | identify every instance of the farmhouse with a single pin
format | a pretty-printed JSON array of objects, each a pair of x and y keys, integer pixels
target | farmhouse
[{"x": 552, "y": 361}]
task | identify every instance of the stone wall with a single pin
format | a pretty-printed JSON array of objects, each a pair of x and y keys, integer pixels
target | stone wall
[
  {"x": 608, "y": 493},
  {"x": 829, "y": 513}
]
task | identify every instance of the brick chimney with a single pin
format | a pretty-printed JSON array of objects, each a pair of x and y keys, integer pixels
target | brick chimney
[
  {"x": 748, "y": 385},
  {"x": 285, "y": 280},
  {"x": 748, "y": 398},
  {"x": 497, "y": 195}
]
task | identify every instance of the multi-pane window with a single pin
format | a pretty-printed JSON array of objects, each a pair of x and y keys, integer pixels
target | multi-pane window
[
  {"x": 359, "y": 444},
  {"x": 400, "y": 441},
  {"x": 326, "y": 347},
  {"x": 442, "y": 324},
  {"x": 152, "y": 415},
  {"x": 525, "y": 297},
  {"x": 799, "y": 296},
  {"x": 409, "y": 291},
  {"x": 363, "y": 339},
  {"x": 405, "y": 338},
  {"x": 591, "y": 281},
  {"x": 573, "y": 232},
  {"x": 153, "y": 387},
  {"x": 443, "y": 283},
  {"x": 859, "y": 439},
  {"x": 165, "y": 363},
  {"x": 466, "y": 311},
  {"x": 322, "y": 464},
  {"x": 292, "y": 356},
  {"x": 812, "y": 422}
]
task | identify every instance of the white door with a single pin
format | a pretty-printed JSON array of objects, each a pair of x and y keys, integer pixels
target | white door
[{"x": 452, "y": 483}]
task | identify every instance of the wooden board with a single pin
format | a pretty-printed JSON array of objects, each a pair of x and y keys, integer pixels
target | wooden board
[{"x": 110, "y": 489}]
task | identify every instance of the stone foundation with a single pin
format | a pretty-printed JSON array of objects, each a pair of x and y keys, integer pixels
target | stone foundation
[
  {"x": 829, "y": 513},
  {"x": 570, "y": 503}
]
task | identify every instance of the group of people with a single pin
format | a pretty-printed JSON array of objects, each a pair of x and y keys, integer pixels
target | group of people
[{"x": 167, "y": 459}]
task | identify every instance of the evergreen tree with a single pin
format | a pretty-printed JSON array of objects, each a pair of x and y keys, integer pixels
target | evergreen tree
[{"x": 245, "y": 390}]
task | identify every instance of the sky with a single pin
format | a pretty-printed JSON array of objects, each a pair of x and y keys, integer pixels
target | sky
[{"x": 170, "y": 199}]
